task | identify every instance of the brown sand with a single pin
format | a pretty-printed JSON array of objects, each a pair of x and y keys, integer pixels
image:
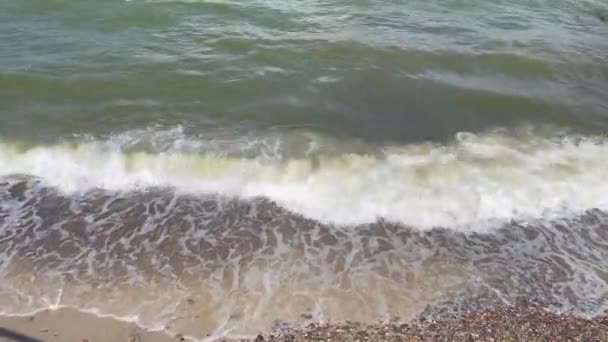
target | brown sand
[{"x": 67, "y": 325}]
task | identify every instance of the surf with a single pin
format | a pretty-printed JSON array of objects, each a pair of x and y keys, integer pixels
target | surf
[{"x": 473, "y": 182}]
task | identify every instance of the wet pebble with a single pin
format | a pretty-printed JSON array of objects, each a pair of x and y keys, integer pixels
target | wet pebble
[{"x": 520, "y": 322}]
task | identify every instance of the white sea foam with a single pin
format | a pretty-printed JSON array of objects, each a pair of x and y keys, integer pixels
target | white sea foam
[{"x": 476, "y": 179}]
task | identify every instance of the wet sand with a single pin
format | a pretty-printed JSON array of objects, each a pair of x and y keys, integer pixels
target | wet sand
[
  {"x": 519, "y": 322},
  {"x": 70, "y": 325}
]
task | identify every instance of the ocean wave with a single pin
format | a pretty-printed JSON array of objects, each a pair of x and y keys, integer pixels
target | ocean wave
[{"x": 474, "y": 182}]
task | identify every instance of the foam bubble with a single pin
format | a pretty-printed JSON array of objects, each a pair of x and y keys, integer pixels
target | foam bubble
[{"x": 474, "y": 181}]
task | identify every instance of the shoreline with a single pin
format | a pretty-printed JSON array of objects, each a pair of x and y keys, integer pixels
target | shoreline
[
  {"x": 522, "y": 321},
  {"x": 66, "y": 324}
]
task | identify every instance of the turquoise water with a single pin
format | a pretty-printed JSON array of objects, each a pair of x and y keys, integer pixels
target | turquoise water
[{"x": 211, "y": 167}]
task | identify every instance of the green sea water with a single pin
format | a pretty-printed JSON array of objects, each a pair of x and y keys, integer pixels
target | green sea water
[{"x": 376, "y": 70}]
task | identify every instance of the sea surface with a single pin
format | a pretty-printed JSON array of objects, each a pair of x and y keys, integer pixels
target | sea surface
[{"x": 218, "y": 168}]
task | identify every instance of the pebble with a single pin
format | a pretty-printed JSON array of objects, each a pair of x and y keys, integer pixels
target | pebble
[{"x": 519, "y": 322}]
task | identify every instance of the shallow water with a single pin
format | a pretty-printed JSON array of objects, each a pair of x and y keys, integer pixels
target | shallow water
[{"x": 216, "y": 167}]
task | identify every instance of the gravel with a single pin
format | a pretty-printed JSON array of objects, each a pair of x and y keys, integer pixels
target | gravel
[{"x": 518, "y": 322}]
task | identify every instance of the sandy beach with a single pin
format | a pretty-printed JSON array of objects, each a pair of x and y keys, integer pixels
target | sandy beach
[
  {"x": 71, "y": 325},
  {"x": 519, "y": 322}
]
